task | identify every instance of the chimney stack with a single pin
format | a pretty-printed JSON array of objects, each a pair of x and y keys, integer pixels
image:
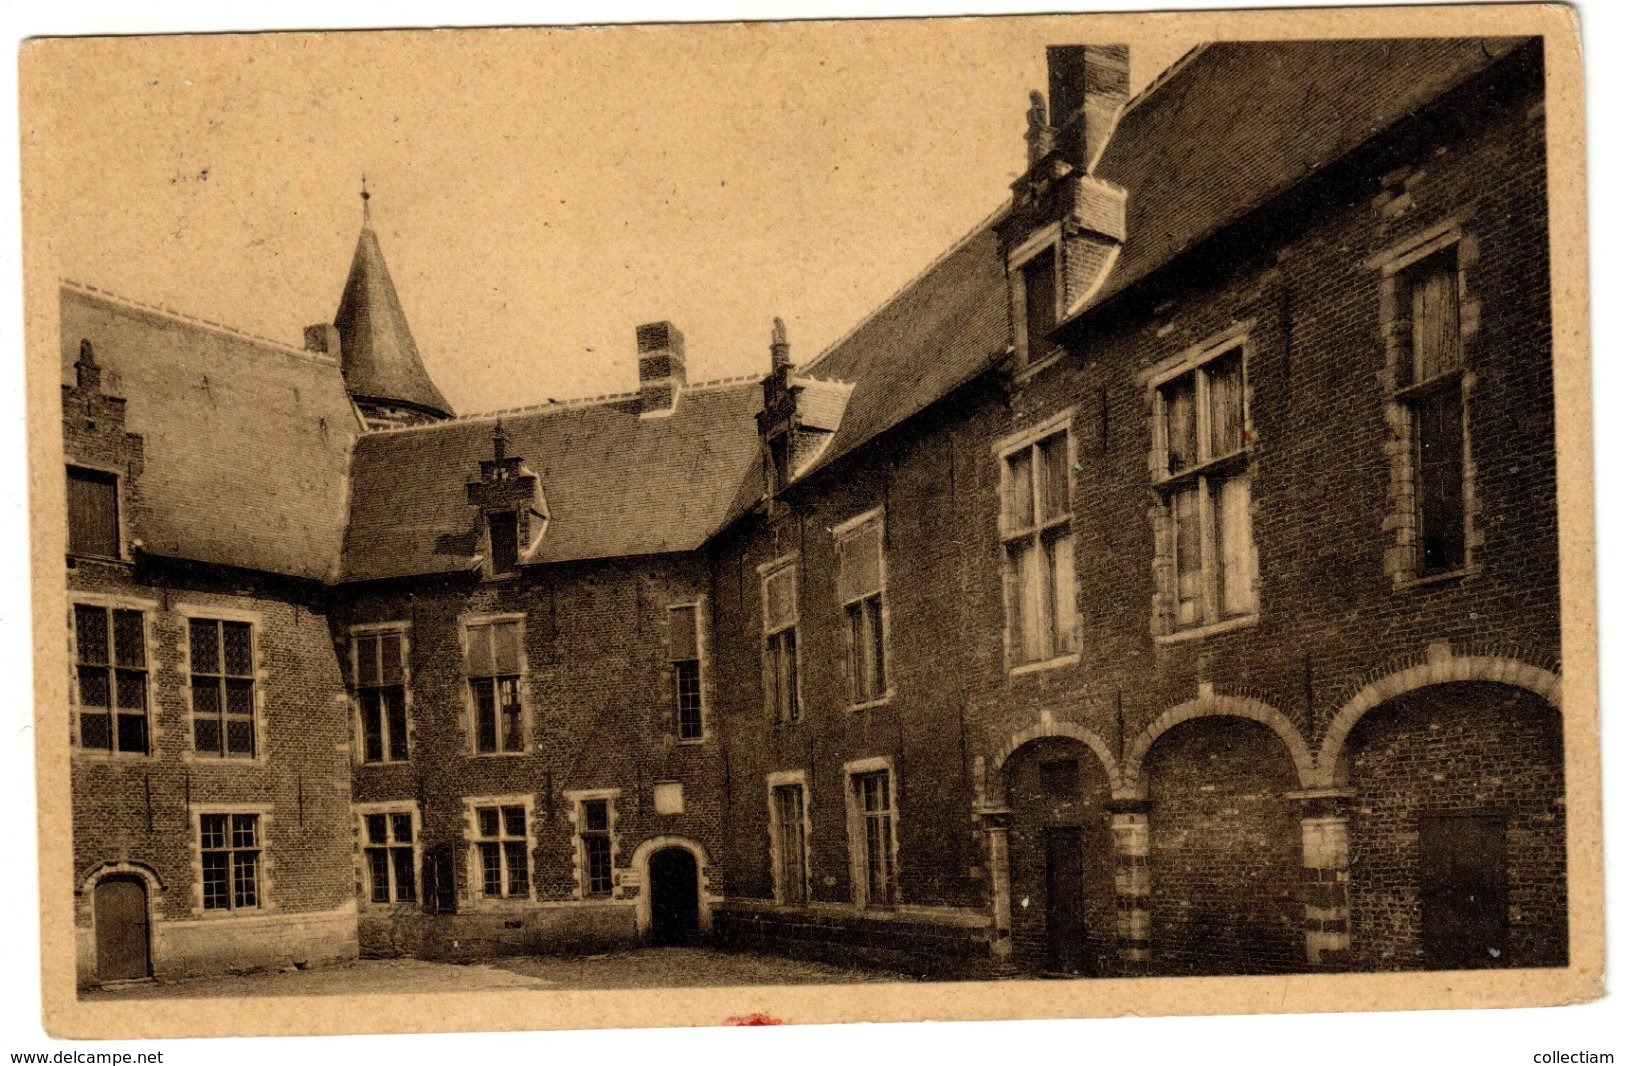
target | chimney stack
[
  {"x": 323, "y": 338},
  {"x": 87, "y": 374},
  {"x": 1088, "y": 85},
  {"x": 662, "y": 370}
]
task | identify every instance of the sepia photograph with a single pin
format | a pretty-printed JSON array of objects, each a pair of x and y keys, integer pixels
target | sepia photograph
[{"x": 1037, "y": 516}]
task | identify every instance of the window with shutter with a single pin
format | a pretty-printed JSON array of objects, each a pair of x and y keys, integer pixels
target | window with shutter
[
  {"x": 494, "y": 680},
  {"x": 1040, "y": 568},
  {"x": 93, "y": 522},
  {"x": 781, "y": 688},
  {"x": 861, "y": 586},
  {"x": 685, "y": 666}
]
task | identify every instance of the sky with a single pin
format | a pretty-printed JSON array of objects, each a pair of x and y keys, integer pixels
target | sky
[{"x": 539, "y": 193}]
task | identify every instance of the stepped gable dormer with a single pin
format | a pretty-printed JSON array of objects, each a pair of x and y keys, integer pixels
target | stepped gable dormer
[
  {"x": 104, "y": 464},
  {"x": 512, "y": 508},
  {"x": 799, "y": 415},
  {"x": 382, "y": 370},
  {"x": 1065, "y": 225}
]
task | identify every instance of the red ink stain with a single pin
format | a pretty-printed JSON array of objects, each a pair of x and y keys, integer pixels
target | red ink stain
[{"x": 752, "y": 1019}]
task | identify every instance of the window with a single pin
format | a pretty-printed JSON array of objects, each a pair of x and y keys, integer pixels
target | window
[
  {"x": 439, "y": 880},
  {"x": 779, "y": 616},
  {"x": 110, "y": 660},
  {"x": 1205, "y": 485},
  {"x": 1040, "y": 300},
  {"x": 1431, "y": 391},
  {"x": 230, "y": 849},
  {"x": 778, "y": 450},
  {"x": 504, "y": 851},
  {"x": 381, "y": 695},
  {"x": 862, "y": 587},
  {"x": 789, "y": 814},
  {"x": 222, "y": 687},
  {"x": 391, "y": 856},
  {"x": 597, "y": 869},
  {"x": 685, "y": 668},
  {"x": 504, "y": 530},
  {"x": 493, "y": 679},
  {"x": 872, "y": 801},
  {"x": 1036, "y": 525},
  {"x": 92, "y": 513}
]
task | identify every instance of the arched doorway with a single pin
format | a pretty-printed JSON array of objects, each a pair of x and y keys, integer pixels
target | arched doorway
[
  {"x": 1456, "y": 833},
  {"x": 674, "y": 897},
  {"x": 123, "y": 950}
]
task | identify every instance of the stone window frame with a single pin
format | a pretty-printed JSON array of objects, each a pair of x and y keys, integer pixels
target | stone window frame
[
  {"x": 256, "y": 623},
  {"x": 797, "y": 709},
  {"x": 1047, "y": 239},
  {"x": 363, "y": 866},
  {"x": 578, "y": 850},
  {"x": 367, "y": 629},
  {"x": 472, "y": 839},
  {"x": 775, "y": 781},
  {"x": 1401, "y": 558},
  {"x": 470, "y": 721},
  {"x": 857, "y": 831},
  {"x": 148, "y": 610},
  {"x": 120, "y": 476},
  {"x": 1003, "y": 450},
  {"x": 1164, "y": 607},
  {"x": 266, "y": 813},
  {"x": 702, "y": 648},
  {"x": 844, "y": 533}
]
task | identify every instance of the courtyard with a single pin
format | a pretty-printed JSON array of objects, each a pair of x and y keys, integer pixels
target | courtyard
[{"x": 685, "y": 967}]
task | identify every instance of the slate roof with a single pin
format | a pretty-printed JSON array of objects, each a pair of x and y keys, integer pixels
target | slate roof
[
  {"x": 381, "y": 360},
  {"x": 941, "y": 330},
  {"x": 247, "y": 442},
  {"x": 616, "y": 484},
  {"x": 1239, "y": 122}
]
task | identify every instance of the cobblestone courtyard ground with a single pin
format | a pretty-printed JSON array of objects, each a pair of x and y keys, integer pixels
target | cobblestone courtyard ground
[{"x": 640, "y": 968}]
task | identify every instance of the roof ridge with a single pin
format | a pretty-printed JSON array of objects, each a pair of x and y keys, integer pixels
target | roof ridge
[
  {"x": 970, "y": 235},
  {"x": 1161, "y": 79},
  {"x": 181, "y": 316}
]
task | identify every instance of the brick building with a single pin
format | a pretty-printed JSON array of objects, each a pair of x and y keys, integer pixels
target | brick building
[{"x": 1163, "y": 582}]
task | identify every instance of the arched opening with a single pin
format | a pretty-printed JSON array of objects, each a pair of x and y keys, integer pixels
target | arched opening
[
  {"x": 1226, "y": 849},
  {"x": 1062, "y": 896},
  {"x": 674, "y": 897},
  {"x": 123, "y": 941},
  {"x": 1456, "y": 830}
]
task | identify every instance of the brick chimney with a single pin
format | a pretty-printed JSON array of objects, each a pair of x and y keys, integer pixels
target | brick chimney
[
  {"x": 1088, "y": 85},
  {"x": 662, "y": 371},
  {"x": 323, "y": 339}
]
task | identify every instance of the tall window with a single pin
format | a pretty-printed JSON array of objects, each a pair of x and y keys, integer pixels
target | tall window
[
  {"x": 92, "y": 513},
  {"x": 779, "y": 617},
  {"x": 222, "y": 687},
  {"x": 1431, "y": 390},
  {"x": 110, "y": 659},
  {"x": 1206, "y": 488},
  {"x": 1040, "y": 304},
  {"x": 685, "y": 669},
  {"x": 230, "y": 848},
  {"x": 872, "y": 804},
  {"x": 789, "y": 812},
  {"x": 391, "y": 857},
  {"x": 597, "y": 871},
  {"x": 381, "y": 695},
  {"x": 504, "y": 851},
  {"x": 504, "y": 531},
  {"x": 1036, "y": 525},
  {"x": 493, "y": 679},
  {"x": 862, "y": 588}
]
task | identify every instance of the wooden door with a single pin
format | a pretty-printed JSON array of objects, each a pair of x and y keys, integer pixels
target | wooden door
[
  {"x": 674, "y": 897},
  {"x": 121, "y": 929},
  {"x": 1063, "y": 900},
  {"x": 1463, "y": 890}
]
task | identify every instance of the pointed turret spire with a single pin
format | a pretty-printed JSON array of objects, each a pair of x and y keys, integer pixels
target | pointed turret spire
[{"x": 382, "y": 369}]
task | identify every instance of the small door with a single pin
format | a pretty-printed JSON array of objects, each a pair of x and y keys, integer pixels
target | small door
[
  {"x": 1463, "y": 890},
  {"x": 1063, "y": 900},
  {"x": 121, "y": 929},
  {"x": 674, "y": 897}
]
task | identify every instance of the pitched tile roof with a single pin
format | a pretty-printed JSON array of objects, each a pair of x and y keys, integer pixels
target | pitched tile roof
[
  {"x": 1239, "y": 122},
  {"x": 381, "y": 360},
  {"x": 616, "y": 484},
  {"x": 247, "y": 442},
  {"x": 941, "y": 330}
]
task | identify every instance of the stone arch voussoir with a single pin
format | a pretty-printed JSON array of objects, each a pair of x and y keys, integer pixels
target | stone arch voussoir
[
  {"x": 1133, "y": 784},
  {"x": 1054, "y": 727}
]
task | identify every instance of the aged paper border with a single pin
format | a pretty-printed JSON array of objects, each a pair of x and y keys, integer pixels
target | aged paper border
[{"x": 67, "y": 1016}]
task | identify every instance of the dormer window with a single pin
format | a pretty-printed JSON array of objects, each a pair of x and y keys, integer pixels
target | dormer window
[
  {"x": 92, "y": 513},
  {"x": 1040, "y": 305},
  {"x": 779, "y": 451},
  {"x": 503, "y": 528}
]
